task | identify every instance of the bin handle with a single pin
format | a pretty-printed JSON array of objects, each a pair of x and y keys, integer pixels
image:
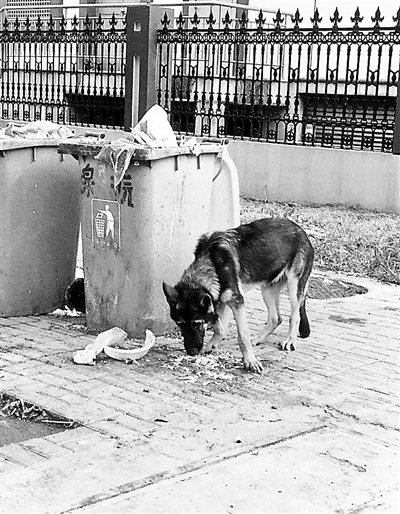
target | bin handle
[{"x": 94, "y": 133}]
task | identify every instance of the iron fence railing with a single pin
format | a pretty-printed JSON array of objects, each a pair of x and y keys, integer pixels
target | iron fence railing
[
  {"x": 67, "y": 70},
  {"x": 246, "y": 74},
  {"x": 331, "y": 87}
]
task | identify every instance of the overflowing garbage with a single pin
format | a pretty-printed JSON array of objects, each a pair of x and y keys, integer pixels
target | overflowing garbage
[
  {"x": 152, "y": 131},
  {"x": 36, "y": 130}
]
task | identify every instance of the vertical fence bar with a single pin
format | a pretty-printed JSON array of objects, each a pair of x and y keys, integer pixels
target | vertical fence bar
[{"x": 396, "y": 135}]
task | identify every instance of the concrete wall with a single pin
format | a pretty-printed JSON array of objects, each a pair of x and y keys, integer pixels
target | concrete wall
[{"x": 308, "y": 175}]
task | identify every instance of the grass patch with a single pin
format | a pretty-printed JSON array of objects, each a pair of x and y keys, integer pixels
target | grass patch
[{"x": 348, "y": 240}]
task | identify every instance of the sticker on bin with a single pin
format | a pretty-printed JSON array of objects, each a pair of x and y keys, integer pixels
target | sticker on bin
[{"x": 106, "y": 224}]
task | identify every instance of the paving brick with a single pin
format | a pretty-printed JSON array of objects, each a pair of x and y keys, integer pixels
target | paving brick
[
  {"x": 12, "y": 382},
  {"x": 7, "y": 465},
  {"x": 20, "y": 455},
  {"x": 136, "y": 424},
  {"x": 44, "y": 447},
  {"x": 69, "y": 436},
  {"x": 116, "y": 430},
  {"x": 55, "y": 380},
  {"x": 8, "y": 358},
  {"x": 85, "y": 411},
  {"x": 91, "y": 439}
]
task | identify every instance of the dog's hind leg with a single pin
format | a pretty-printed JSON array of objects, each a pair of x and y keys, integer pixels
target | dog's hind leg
[
  {"x": 219, "y": 329},
  {"x": 295, "y": 302},
  {"x": 250, "y": 361},
  {"x": 304, "y": 326},
  {"x": 271, "y": 294}
]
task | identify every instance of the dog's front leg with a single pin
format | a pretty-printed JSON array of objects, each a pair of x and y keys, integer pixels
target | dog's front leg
[
  {"x": 219, "y": 328},
  {"x": 250, "y": 361}
]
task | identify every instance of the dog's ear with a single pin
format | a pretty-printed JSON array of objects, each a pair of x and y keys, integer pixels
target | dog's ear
[
  {"x": 207, "y": 303},
  {"x": 171, "y": 294}
]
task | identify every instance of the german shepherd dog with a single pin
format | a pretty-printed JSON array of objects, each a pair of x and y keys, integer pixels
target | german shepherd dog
[{"x": 267, "y": 252}]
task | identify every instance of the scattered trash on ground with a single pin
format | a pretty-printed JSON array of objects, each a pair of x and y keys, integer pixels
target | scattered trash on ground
[
  {"x": 220, "y": 366},
  {"x": 131, "y": 354},
  {"x": 107, "y": 341},
  {"x": 67, "y": 312}
]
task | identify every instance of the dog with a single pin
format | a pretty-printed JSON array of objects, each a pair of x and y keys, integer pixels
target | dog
[{"x": 268, "y": 252}]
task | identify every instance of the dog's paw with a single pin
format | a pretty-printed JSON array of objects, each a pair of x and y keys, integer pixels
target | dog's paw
[
  {"x": 288, "y": 345},
  {"x": 253, "y": 365}
]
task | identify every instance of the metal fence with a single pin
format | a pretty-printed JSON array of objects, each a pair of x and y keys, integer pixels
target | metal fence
[
  {"x": 320, "y": 86},
  {"x": 243, "y": 74},
  {"x": 71, "y": 71}
]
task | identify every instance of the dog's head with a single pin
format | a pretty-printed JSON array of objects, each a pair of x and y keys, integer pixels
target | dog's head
[{"x": 192, "y": 309}]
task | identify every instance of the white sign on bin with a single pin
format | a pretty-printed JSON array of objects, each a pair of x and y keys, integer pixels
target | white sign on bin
[{"x": 106, "y": 224}]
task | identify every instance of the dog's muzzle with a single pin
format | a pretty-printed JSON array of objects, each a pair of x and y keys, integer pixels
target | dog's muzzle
[{"x": 193, "y": 337}]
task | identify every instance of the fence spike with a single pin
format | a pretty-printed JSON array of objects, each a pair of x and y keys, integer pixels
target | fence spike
[
  {"x": 17, "y": 24},
  {"x": 377, "y": 19},
  {"x": 6, "y": 24},
  {"x": 75, "y": 23},
  {"x": 278, "y": 20},
  {"x": 63, "y": 23},
  {"x": 211, "y": 21},
  {"x": 180, "y": 22},
  {"x": 51, "y": 23},
  {"x": 165, "y": 22},
  {"x": 28, "y": 24},
  {"x": 316, "y": 19},
  {"x": 86, "y": 23},
  {"x": 296, "y": 19},
  {"x": 39, "y": 24},
  {"x": 243, "y": 22},
  {"x": 99, "y": 23},
  {"x": 113, "y": 23},
  {"x": 356, "y": 19},
  {"x": 227, "y": 22},
  {"x": 260, "y": 20},
  {"x": 336, "y": 18},
  {"x": 195, "y": 22}
]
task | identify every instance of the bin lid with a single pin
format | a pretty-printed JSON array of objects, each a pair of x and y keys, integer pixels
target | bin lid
[{"x": 82, "y": 148}]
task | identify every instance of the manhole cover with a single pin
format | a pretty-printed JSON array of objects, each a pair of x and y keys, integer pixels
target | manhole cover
[
  {"x": 21, "y": 421},
  {"x": 323, "y": 288}
]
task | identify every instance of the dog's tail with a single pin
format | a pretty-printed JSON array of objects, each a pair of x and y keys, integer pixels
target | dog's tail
[{"x": 304, "y": 326}]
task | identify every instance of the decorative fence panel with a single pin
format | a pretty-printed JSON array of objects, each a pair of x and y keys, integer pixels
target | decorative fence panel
[
  {"x": 330, "y": 87},
  {"x": 69, "y": 71},
  {"x": 264, "y": 79}
]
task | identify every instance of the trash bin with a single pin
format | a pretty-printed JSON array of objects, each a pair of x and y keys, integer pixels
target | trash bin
[
  {"x": 142, "y": 232},
  {"x": 39, "y": 219}
]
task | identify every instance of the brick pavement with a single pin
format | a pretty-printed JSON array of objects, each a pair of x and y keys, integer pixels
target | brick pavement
[{"x": 317, "y": 432}]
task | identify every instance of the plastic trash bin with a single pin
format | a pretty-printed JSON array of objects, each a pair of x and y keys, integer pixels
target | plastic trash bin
[
  {"x": 143, "y": 232},
  {"x": 39, "y": 220}
]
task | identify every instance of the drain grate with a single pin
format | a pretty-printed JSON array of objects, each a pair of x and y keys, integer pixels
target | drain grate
[{"x": 323, "y": 288}]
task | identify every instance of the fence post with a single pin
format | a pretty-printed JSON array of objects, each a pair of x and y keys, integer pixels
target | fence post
[
  {"x": 396, "y": 134},
  {"x": 142, "y": 23}
]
